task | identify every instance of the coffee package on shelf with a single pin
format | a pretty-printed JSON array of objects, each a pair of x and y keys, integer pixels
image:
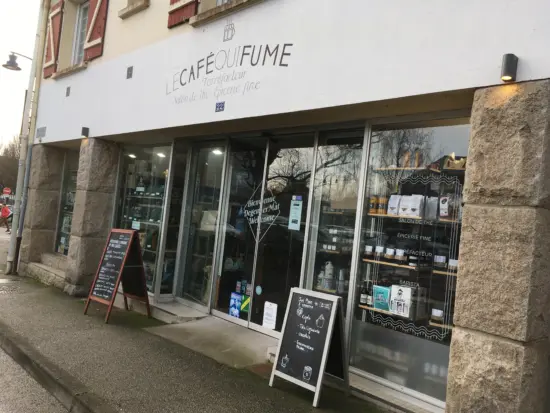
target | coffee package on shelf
[
  {"x": 444, "y": 209},
  {"x": 430, "y": 207},
  {"x": 404, "y": 205},
  {"x": 393, "y": 205},
  {"x": 411, "y": 206}
]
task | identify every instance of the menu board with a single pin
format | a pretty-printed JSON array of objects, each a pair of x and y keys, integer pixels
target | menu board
[
  {"x": 312, "y": 341},
  {"x": 111, "y": 264},
  {"x": 121, "y": 262}
]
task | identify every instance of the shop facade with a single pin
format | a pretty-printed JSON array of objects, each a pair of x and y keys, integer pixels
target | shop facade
[{"x": 250, "y": 165}]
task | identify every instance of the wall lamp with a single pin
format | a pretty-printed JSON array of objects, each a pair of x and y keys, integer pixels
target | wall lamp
[
  {"x": 509, "y": 67},
  {"x": 85, "y": 133}
]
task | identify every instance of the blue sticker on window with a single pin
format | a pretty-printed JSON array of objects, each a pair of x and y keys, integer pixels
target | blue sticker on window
[
  {"x": 259, "y": 290},
  {"x": 220, "y": 106}
]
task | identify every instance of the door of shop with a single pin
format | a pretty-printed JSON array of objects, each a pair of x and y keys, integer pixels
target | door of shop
[
  {"x": 263, "y": 237},
  {"x": 197, "y": 251}
]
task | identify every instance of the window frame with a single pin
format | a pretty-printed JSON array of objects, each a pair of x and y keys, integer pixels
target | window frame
[{"x": 78, "y": 33}]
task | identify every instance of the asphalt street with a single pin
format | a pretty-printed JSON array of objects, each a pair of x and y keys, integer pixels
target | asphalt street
[{"x": 19, "y": 393}]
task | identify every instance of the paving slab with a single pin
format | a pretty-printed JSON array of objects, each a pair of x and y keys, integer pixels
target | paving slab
[{"x": 134, "y": 371}]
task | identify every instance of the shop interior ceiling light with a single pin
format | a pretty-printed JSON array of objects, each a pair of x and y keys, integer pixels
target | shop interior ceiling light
[
  {"x": 217, "y": 151},
  {"x": 161, "y": 155},
  {"x": 131, "y": 155},
  {"x": 509, "y": 67}
]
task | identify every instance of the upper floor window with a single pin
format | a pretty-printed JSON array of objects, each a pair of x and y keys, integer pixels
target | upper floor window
[
  {"x": 80, "y": 33},
  {"x": 220, "y": 2}
]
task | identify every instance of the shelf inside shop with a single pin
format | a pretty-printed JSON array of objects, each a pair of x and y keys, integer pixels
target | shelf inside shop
[
  {"x": 325, "y": 290},
  {"x": 330, "y": 291},
  {"x": 150, "y": 251},
  {"x": 386, "y": 362},
  {"x": 447, "y": 326},
  {"x": 420, "y": 220},
  {"x": 453, "y": 170},
  {"x": 329, "y": 251},
  {"x": 390, "y": 169},
  {"x": 364, "y": 307},
  {"x": 334, "y": 212},
  {"x": 450, "y": 273},
  {"x": 390, "y": 264},
  {"x": 156, "y": 197}
]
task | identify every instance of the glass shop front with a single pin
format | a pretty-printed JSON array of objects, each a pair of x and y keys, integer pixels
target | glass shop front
[{"x": 369, "y": 213}]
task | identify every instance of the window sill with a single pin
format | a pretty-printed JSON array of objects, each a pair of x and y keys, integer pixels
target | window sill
[
  {"x": 133, "y": 8},
  {"x": 220, "y": 11},
  {"x": 70, "y": 70}
]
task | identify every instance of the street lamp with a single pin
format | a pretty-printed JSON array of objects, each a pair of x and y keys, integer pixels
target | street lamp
[
  {"x": 12, "y": 64},
  {"x": 23, "y": 170}
]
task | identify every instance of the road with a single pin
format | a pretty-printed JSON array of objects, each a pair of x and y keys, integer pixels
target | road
[{"x": 19, "y": 393}]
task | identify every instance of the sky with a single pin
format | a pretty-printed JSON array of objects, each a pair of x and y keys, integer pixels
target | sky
[{"x": 18, "y": 21}]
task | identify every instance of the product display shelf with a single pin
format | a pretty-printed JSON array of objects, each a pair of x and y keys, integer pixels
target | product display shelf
[
  {"x": 420, "y": 220},
  {"x": 394, "y": 169},
  {"x": 449, "y": 273},
  {"x": 153, "y": 197},
  {"x": 390, "y": 264},
  {"x": 376, "y": 310},
  {"x": 446, "y": 326},
  {"x": 386, "y": 362},
  {"x": 329, "y": 251},
  {"x": 325, "y": 290}
]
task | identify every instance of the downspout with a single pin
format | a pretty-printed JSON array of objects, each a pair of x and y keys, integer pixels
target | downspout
[{"x": 27, "y": 135}]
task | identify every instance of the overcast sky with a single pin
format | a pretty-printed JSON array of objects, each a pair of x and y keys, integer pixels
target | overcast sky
[{"x": 18, "y": 20}]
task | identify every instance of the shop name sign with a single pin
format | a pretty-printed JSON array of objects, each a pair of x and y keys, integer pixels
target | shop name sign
[{"x": 226, "y": 73}]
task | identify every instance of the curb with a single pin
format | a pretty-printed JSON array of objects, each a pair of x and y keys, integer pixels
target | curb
[{"x": 70, "y": 392}]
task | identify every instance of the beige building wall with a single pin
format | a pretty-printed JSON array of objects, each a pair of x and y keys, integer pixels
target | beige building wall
[{"x": 140, "y": 30}]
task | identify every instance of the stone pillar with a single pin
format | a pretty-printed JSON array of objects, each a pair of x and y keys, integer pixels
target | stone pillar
[
  {"x": 42, "y": 211},
  {"x": 93, "y": 209},
  {"x": 499, "y": 350}
]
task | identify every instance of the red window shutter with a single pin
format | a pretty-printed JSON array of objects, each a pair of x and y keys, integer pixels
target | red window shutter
[
  {"x": 181, "y": 11},
  {"x": 95, "y": 35},
  {"x": 53, "y": 38}
]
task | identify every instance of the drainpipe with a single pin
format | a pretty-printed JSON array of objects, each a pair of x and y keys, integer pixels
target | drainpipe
[{"x": 27, "y": 135}]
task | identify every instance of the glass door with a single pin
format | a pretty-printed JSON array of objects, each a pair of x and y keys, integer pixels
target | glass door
[
  {"x": 268, "y": 184},
  {"x": 245, "y": 176},
  {"x": 282, "y": 228},
  {"x": 203, "y": 195}
]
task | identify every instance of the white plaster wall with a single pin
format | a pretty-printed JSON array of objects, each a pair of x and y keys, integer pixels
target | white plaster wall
[{"x": 357, "y": 51}]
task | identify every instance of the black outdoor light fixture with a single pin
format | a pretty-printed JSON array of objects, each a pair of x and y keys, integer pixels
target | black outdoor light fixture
[
  {"x": 509, "y": 67},
  {"x": 11, "y": 64},
  {"x": 85, "y": 132}
]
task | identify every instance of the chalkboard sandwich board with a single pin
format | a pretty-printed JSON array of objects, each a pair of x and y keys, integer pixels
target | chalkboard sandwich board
[
  {"x": 312, "y": 341},
  {"x": 121, "y": 262}
]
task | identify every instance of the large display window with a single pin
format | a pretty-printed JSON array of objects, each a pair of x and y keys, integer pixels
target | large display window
[
  {"x": 68, "y": 194},
  {"x": 335, "y": 194},
  {"x": 143, "y": 200},
  {"x": 406, "y": 280}
]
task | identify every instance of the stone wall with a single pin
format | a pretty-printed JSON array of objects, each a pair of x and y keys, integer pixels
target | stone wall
[
  {"x": 42, "y": 204},
  {"x": 499, "y": 349},
  {"x": 94, "y": 203}
]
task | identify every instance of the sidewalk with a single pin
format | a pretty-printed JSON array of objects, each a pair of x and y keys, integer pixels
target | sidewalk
[{"x": 125, "y": 367}]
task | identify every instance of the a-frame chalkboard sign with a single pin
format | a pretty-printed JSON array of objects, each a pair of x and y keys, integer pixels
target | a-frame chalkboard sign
[
  {"x": 121, "y": 262},
  {"x": 312, "y": 341}
]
